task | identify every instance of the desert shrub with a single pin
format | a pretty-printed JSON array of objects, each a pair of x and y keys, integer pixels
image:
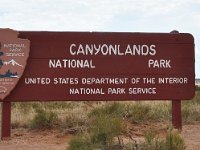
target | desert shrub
[
  {"x": 174, "y": 141},
  {"x": 114, "y": 109},
  {"x": 152, "y": 141},
  {"x": 191, "y": 109},
  {"x": 105, "y": 124},
  {"x": 80, "y": 143},
  {"x": 60, "y": 105},
  {"x": 135, "y": 112},
  {"x": 74, "y": 124},
  {"x": 138, "y": 112},
  {"x": 160, "y": 111},
  {"x": 74, "y": 121},
  {"x": 100, "y": 135},
  {"x": 190, "y": 112},
  {"x": 141, "y": 112},
  {"x": 43, "y": 119},
  {"x": 23, "y": 107},
  {"x": 104, "y": 129}
]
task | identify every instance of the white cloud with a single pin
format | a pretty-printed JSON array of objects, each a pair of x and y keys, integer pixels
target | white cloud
[{"x": 80, "y": 14}]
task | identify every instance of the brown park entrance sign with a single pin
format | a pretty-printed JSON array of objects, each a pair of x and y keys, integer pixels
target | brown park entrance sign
[
  {"x": 102, "y": 66},
  {"x": 107, "y": 66}
]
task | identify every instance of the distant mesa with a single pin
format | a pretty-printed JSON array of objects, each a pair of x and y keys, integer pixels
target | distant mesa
[
  {"x": 9, "y": 74},
  {"x": 13, "y": 63}
]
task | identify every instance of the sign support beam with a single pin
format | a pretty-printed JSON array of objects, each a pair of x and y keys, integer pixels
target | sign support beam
[
  {"x": 6, "y": 120},
  {"x": 176, "y": 114}
]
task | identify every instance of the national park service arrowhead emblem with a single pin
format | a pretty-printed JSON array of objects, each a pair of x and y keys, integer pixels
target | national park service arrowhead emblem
[{"x": 14, "y": 53}]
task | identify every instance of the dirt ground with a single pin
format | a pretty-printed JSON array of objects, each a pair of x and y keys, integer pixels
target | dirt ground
[
  {"x": 24, "y": 139},
  {"x": 191, "y": 134}
]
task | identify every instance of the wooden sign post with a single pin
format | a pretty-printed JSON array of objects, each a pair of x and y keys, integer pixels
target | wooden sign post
[
  {"x": 176, "y": 114},
  {"x": 75, "y": 66}
]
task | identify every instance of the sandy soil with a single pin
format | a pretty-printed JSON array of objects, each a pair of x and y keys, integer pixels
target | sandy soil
[
  {"x": 24, "y": 139},
  {"x": 191, "y": 134}
]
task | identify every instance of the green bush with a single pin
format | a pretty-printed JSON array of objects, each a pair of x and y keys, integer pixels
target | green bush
[
  {"x": 43, "y": 119},
  {"x": 190, "y": 112},
  {"x": 152, "y": 141},
  {"x": 74, "y": 124},
  {"x": 23, "y": 107},
  {"x": 80, "y": 143},
  {"x": 100, "y": 135},
  {"x": 191, "y": 109},
  {"x": 60, "y": 105},
  {"x": 74, "y": 121},
  {"x": 160, "y": 112},
  {"x": 172, "y": 141},
  {"x": 105, "y": 125},
  {"x": 104, "y": 129},
  {"x": 114, "y": 109},
  {"x": 138, "y": 112}
]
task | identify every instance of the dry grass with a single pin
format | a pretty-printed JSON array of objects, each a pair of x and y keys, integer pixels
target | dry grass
[{"x": 76, "y": 113}]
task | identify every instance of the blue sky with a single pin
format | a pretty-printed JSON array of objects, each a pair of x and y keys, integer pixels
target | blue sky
[{"x": 104, "y": 15}]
